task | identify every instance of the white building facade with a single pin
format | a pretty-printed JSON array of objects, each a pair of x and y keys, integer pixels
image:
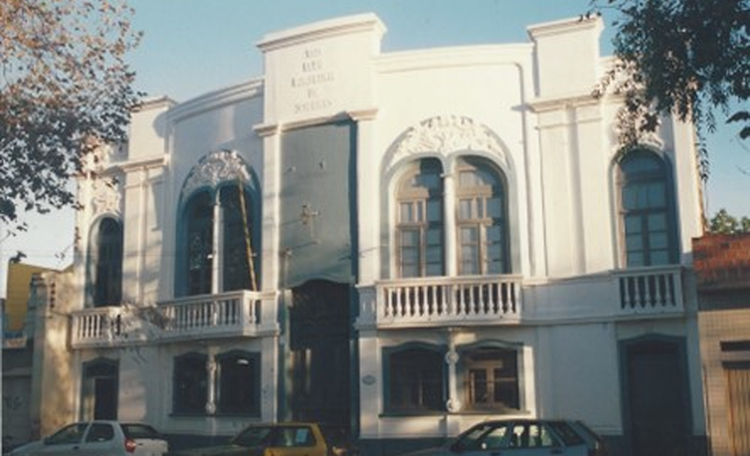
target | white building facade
[{"x": 402, "y": 243}]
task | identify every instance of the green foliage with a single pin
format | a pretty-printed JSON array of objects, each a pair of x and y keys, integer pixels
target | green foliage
[
  {"x": 687, "y": 58},
  {"x": 724, "y": 223},
  {"x": 65, "y": 89}
]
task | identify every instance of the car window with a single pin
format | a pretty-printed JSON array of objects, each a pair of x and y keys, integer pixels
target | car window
[
  {"x": 482, "y": 436},
  {"x": 69, "y": 434},
  {"x": 140, "y": 431},
  {"x": 293, "y": 437},
  {"x": 253, "y": 436},
  {"x": 100, "y": 432},
  {"x": 531, "y": 435},
  {"x": 566, "y": 433}
]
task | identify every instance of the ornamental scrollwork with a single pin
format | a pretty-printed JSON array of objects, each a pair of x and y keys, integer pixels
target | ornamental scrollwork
[
  {"x": 446, "y": 134},
  {"x": 214, "y": 168}
]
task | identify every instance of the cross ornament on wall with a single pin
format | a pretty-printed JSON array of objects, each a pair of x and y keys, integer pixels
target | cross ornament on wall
[{"x": 307, "y": 217}]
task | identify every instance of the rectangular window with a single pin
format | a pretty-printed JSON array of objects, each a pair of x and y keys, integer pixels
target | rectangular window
[
  {"x": 415, "y": 381},
  {"x": 190, "y": 384},
  {"x": 239, "y": 383},
  {"x": 491, "y": 379}
]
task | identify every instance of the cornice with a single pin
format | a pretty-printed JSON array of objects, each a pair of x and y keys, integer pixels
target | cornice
[
  {"x": 320, "y": 30},
  {"x": 212, "y": 100}
]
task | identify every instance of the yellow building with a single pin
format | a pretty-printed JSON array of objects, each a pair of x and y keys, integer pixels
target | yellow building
[{"x": 16, "y": 305}]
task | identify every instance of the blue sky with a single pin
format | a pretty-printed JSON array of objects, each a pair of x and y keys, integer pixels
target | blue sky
[{"x": 194, "y": 46}]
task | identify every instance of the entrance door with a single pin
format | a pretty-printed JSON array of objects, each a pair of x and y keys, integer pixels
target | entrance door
[
  {"x": 100, "y": 390},
  {"x": 320, "y": 327},
  {"x": 656, "y": 393}
]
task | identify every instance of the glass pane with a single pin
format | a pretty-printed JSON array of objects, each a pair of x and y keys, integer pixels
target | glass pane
[
  {"x": 657, "y": 222},
  {"x": 657, "y": 241},
  {"x": 659, "y": 257},
  {"x": 469, "y": 235},
  {"x": 467, "y": 178},
  {"x": 409, "y": 238},
  {"x": 635, "y": 259},
  {"x": 656, "y": 195},
  {"x": 434, "y": 236},
  {"x": 434, "y": 210},
  {"x": 434, "y": 255},
  {"x": 464, "y": 209},
  {"x": 495, "y": 207},
  {"x": 634, "y": 242},
  {"x": 406, "y": 212},
  {"x": 478, "y": 390},
  {"x": 632, "y": 224}
]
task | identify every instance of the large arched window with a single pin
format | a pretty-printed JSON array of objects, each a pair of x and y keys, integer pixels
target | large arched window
[
  {"x": 107, "y": 261},
  {"x": 420, "y": 220},
  {"x": 646, "y": 210},
  {"x": 217, "y": 242},
  {"x": 481, "y": 219}
]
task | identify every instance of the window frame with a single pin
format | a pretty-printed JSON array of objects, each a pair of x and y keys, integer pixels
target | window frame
[
  {"x": 222, "y": 401},
  {"x": 480, "y": 219},
  {"x": 390, "y": 383},
  {"x": 421, "y": 199},
  {"x": 179, "y": 394},
  {"x": 514, "y": 377},
  {"x": 662, "y": 176}
]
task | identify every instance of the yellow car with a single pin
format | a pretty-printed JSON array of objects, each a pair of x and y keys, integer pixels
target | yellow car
[{"x": 278, "y": 439}]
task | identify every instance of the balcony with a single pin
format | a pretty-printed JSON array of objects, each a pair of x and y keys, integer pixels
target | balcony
[
  {"x": 652, "y": 292},
  {"x": 434, "y": 301},
  {"x": 232, "y": 314}
]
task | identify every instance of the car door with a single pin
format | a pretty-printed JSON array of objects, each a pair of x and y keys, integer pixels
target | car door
[
  {"x": 101, "y": 439},
  {"x": 65, "y": 442},
  {"x": 295, "y": 441}
]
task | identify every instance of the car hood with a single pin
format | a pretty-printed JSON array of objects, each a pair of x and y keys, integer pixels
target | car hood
[{"x": 26, "y": 448}]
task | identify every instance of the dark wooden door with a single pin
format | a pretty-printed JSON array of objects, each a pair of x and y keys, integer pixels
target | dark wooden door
[
  {"x": 320, "y": 343},
  {"x": 657, "y": 399}
]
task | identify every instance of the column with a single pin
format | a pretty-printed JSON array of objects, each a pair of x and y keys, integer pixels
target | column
[
  {"x": 453, "y": 404},
  {"x": 211, "y": 387},
  {"x": 449, "y": 220}
]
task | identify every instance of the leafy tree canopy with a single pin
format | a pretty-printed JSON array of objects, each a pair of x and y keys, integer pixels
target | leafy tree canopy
[
  {"x": 689, "y": 58},
  {"x": 65, "y": 88},
  {"x": 724, "y": 223}
]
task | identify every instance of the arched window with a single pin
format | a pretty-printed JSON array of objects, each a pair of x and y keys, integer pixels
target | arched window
[
  {"x": 107, "y": 289},
  {"x": 481, "y": 219},
  {"x": 420, "y": 220},
  {"x": 199, "y": 239},
  {"x": 217, "y": 243},
  {"x": 646, "y": 210}
]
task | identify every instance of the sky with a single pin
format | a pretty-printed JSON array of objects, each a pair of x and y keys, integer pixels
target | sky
[{"x": 191, "y": 47}]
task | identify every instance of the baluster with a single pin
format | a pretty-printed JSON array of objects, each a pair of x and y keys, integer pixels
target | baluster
[
  {"x": 658, "y": 291},
  {"x": 669, "y": 280}
]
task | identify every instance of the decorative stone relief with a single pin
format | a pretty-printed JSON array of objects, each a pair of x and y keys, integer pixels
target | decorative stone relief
[
  {"x": 214, "y": 168},
  {"x": 445, "y": 134},
  {"x": 106, "y": 195}
]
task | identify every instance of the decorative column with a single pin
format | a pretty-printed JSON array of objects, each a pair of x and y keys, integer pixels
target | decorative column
[
  {"x": 449, "y": 220},
  {"x": 453, "y": 404},
  {"x": 211, "y": 386}
]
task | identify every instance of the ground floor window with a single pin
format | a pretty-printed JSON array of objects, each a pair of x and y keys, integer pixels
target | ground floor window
[
  {"x": 416, "y": 380},
  {"x": 238, "y": 383},
  {"x": 190, "y": 384},
  {"x": 490, "y": 379}
]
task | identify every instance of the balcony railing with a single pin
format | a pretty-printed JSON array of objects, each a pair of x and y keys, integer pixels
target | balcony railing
[
  {"x": 651, "y": 290},
  {"x": 464, "y": 300},
  {"x": 231, "y": 314},
  {"x": 227, "y": 314}
]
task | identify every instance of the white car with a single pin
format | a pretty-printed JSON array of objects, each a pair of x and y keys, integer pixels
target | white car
[
  {"x": 522, "y": 438},
  {"x": 98, "y": 438}
]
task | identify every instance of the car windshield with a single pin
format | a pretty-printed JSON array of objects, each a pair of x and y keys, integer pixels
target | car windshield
[
  {"x": 140, "y": 431},
  {"x": 471, "y": 439},
  {"x": 253, "y": 436}
]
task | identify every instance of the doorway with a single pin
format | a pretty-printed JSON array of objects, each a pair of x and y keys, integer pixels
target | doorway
[
  {"x": 100, "y": 390},
  {"x": 320, "y": 351},
  {"x": 656, "y": 398}
]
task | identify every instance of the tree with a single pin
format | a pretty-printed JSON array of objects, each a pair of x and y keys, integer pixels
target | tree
[
  {"x": 687, "y": 58},
  {"x": 65, "y": 89},
  {"x": 724, "y": 223}
]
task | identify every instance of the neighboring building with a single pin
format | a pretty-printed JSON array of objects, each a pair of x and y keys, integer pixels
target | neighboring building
[
  {"x": 17, "y": 354},
  {"x": 402, "y": 243},
  {"x": 722, "y": 266}
]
